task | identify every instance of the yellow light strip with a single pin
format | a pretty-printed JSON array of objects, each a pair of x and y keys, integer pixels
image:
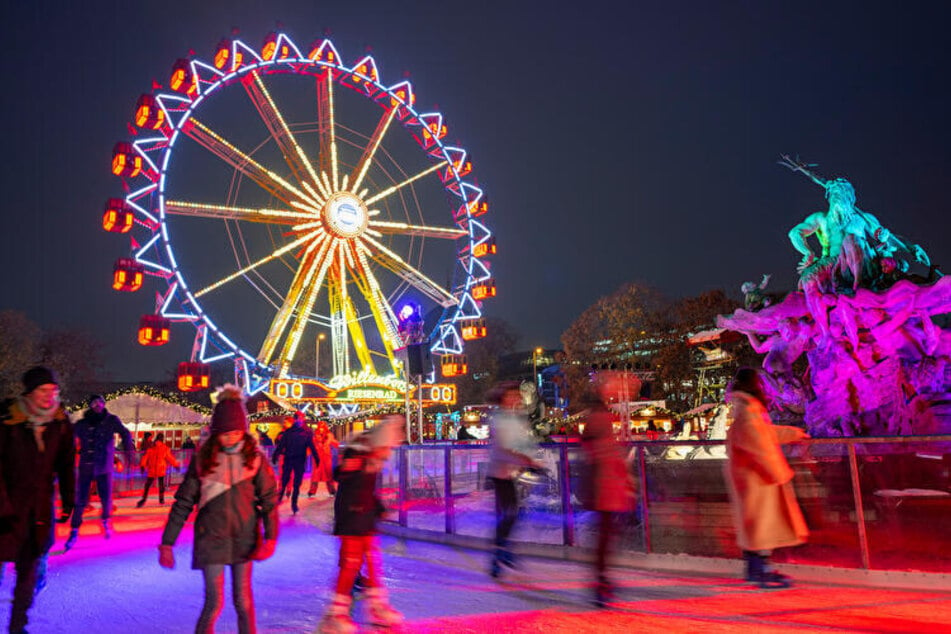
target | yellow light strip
[
  {"x": 417, "y": 230},
  {"x": 381, "y": 309},
  {"x": 268, "y": 258},
  {"x": 248, "y": 160},
  {"x": 333, "y": 135},
  {"x": 303, "y": 313},
  {"x": 374, "y": 145},
  {"x": 306, "y": 225},
  {"x": 287, "y": 131},
  {"x": 327, "y": 184},
  {"x": 320, "y": 197},
  {"x": 263, "y": 214},
  {"x": 307, "y": 207},
  {"x": 390, "y": 190},
  {"x": 286, "y": 311},
  {"x": 414, "y": 277}
]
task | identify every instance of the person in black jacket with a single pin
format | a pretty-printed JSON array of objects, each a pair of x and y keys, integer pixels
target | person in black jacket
[
  {"x": 36, "y": 448},
  {"x": 95, "y": 432},
  {"x": 356, "y": 511},
  {"x": 294, "y": 444}
]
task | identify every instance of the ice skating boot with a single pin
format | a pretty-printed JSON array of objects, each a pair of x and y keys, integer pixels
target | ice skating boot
[
  {"x": 71, "y": 540},
  {"x": 140, "y": 503},
  {"x": 336, "y": 619},
  {"x": 761, "y": 573},
  {"x": 603, "y": 592},
  {"x": 106, "y": 529},
  {"x": 379, "y": 609}
]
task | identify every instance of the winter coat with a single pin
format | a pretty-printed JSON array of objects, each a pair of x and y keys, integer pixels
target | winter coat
[
  {"x": 232, "y": 502},
  {"x": 607, "y": 477},
  {"x": 512, "y": 444},
  {"x": 323, "y": 461},
  {"x": 156, "y": 460},
  {"x": 356, "y": 505},
  {"x": 293, "y": 444},
  {"x": 759, "y": 479},
  {"x": 96, "y": 434},
  {"x": 26, "y": 480}
]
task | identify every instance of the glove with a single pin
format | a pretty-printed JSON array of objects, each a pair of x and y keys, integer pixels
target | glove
[
  {"x": 264, "y": 550},
  {"x": 166, "y": 556},
  {"x": 64, "y": 516}
]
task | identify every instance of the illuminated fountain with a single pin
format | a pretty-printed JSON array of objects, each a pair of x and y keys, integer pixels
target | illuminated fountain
[{"x": 877, "y": 362}]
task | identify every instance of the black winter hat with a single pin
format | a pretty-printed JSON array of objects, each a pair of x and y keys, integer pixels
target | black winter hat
[
  {"x": 229, "y": 413},
  {"x": 95, "y": 397},
  {"x": 37, "y": 376}
]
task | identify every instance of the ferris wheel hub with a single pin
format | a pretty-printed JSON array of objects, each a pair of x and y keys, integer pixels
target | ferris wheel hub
[{"x": 346, "y": 215}]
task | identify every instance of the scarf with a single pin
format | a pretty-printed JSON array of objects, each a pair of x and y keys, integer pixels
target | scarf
[{"x": 37, "y": 419}]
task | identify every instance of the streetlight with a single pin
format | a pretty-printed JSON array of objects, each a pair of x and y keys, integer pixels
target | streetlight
[
  {"x": 535, "y": 353},
  {"x": 320, "y": 337}
]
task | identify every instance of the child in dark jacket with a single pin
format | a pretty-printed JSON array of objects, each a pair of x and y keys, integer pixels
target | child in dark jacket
[
  {"x": 356, "y": 511},
  {"x": 231, "y": 482}
]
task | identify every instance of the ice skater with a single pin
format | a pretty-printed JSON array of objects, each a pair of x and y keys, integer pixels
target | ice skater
[
  {"x": 322, "y": 470},
  {"x": 155, "y": 462},
  {"x": 232, "y": 484},
  {"x": 293, "y": 445},
  {"x": 356, "y": 511}
]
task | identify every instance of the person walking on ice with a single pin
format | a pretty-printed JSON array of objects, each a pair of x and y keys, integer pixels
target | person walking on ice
[
  {"x": 231, "y": 482},
  {"x": 155, "y": 461}
]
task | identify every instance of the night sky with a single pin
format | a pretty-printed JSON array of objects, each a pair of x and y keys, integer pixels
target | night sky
[{"x": 617, "y": 141}]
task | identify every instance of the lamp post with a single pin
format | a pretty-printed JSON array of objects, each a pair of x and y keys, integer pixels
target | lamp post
[
  {"x": 535, "y": 353},
  {"x": 320, "y": 337}
]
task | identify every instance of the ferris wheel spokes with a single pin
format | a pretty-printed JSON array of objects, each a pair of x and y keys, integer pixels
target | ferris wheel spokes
[
  {"x": 394, "y": 263},
  {"x": 293, "y": 153},
  {"x": 379, "y": 227},
  {"x": 290, "y": 246},
  {"x": 246, "y": 214},
  {"x": 371, "y": 149},
  {"x": 389, "y": 190},
  {"x": 226, "y": 151}
]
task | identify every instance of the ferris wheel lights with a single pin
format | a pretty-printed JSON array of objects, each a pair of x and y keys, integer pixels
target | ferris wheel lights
[
  {"x": 127, "y": 275},
  {"x": 193, "y": 377},
  {"x": 453, "y": 365},
  {"x": 472, "y": 329},
  {"x": 401, "y": 94},
  {"x": 483, "y": 290},
  {"x": 148, "y": 113},
  {"x": 222, "y": 53},
  {"x": 183, "y": 80},
  {"x": 484, "y": 248},
  {"x": 367, "y": 68},
  {"x": 323, "y": 51},
  {"x": 118, "y": 216},
  {"x": 153, "y": 330},
  {"x": 126, "y": 162},
  {"x": 276, "y": 46}
]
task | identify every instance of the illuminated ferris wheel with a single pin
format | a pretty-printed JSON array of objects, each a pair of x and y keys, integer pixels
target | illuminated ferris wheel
[{"x": 281, "y": 197}]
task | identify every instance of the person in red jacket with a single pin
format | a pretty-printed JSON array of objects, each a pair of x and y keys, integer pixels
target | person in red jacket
[
  {"x": 155, "y": 462},
  {"x": 322, "y": 470},
  {"x": 231, "y": 482},
  {"x": 609, "y": 482}
]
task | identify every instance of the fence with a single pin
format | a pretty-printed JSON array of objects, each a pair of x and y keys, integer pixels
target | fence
[{"x": 870, "y": 503}]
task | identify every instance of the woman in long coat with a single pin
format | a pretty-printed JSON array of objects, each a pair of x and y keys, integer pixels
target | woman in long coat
[{"x": 759, "y": 480}]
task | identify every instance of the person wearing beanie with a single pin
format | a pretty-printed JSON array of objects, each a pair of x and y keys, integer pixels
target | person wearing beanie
[
  {"x": 95, "y": 433},
  {"x": 357, "y": 508},
  {"x": 231, "y": 482},
  {"x": 36, "y": 450},
  {"x": 293, "y": 446}
]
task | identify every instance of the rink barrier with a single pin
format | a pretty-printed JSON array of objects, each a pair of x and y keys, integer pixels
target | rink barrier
[{"x": 872, "y": 504}]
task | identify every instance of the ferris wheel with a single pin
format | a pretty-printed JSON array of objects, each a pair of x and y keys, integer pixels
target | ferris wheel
[{"x": 281, "y": 198}]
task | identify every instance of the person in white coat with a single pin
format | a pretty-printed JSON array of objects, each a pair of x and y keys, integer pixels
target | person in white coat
[{"x": 759, "y": 480}]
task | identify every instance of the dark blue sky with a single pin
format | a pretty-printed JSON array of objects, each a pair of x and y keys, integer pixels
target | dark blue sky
[{"x": 617, "y": 141}]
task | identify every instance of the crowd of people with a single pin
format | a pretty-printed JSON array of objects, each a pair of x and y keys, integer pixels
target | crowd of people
[{"x": 231, "y": 483}]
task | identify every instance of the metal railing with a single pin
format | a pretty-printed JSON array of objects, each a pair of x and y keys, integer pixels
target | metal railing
[{"x": 870, "y": 503}]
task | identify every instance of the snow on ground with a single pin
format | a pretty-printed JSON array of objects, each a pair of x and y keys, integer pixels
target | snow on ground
[{"x": 117, "y": 586}]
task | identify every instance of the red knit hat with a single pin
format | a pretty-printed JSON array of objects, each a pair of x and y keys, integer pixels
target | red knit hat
[{"x": 230, "y": 413}]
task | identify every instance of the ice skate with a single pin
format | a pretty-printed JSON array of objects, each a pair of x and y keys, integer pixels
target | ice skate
[
  {"x": 336, "y": 619},
  {"x": 106, "y": 529},
  {"x": 380, "y": 611},
  {"x": 71, "y": 540}
]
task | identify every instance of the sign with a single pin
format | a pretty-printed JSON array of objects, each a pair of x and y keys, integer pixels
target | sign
[{"x": 313, "y": 391}]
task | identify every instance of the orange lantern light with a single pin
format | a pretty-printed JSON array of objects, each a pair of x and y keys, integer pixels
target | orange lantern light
[
  {"x": 472, "y": 329},
  {"x": 126, "y": 162},
  {"x": 484, "y": 248},
  {"x": 269, "y": 49},
  {"x": 453, "y": 365},
  {"x": 127, "y": 275},
  {"x": 323, "y": 51},
  {"x": 148, "y": 113},
  {"x": 193, "y": 377},
  {"x": 118, "y": 216},
  {"x": 183, "y": 80},
  {"x": 222, "y": 53},
  {"x": 483, "y": 290},
  {"x": 153, "y": 330}
]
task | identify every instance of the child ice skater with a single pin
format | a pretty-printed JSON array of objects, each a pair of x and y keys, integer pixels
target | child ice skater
[
  {"x": 356, "y": 511},
  {"x": 232, "y": 484},
  {"x": 155, "y": 461}
]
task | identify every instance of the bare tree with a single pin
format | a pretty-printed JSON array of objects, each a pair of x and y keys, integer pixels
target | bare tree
[{"x": 19, "y": 349}]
